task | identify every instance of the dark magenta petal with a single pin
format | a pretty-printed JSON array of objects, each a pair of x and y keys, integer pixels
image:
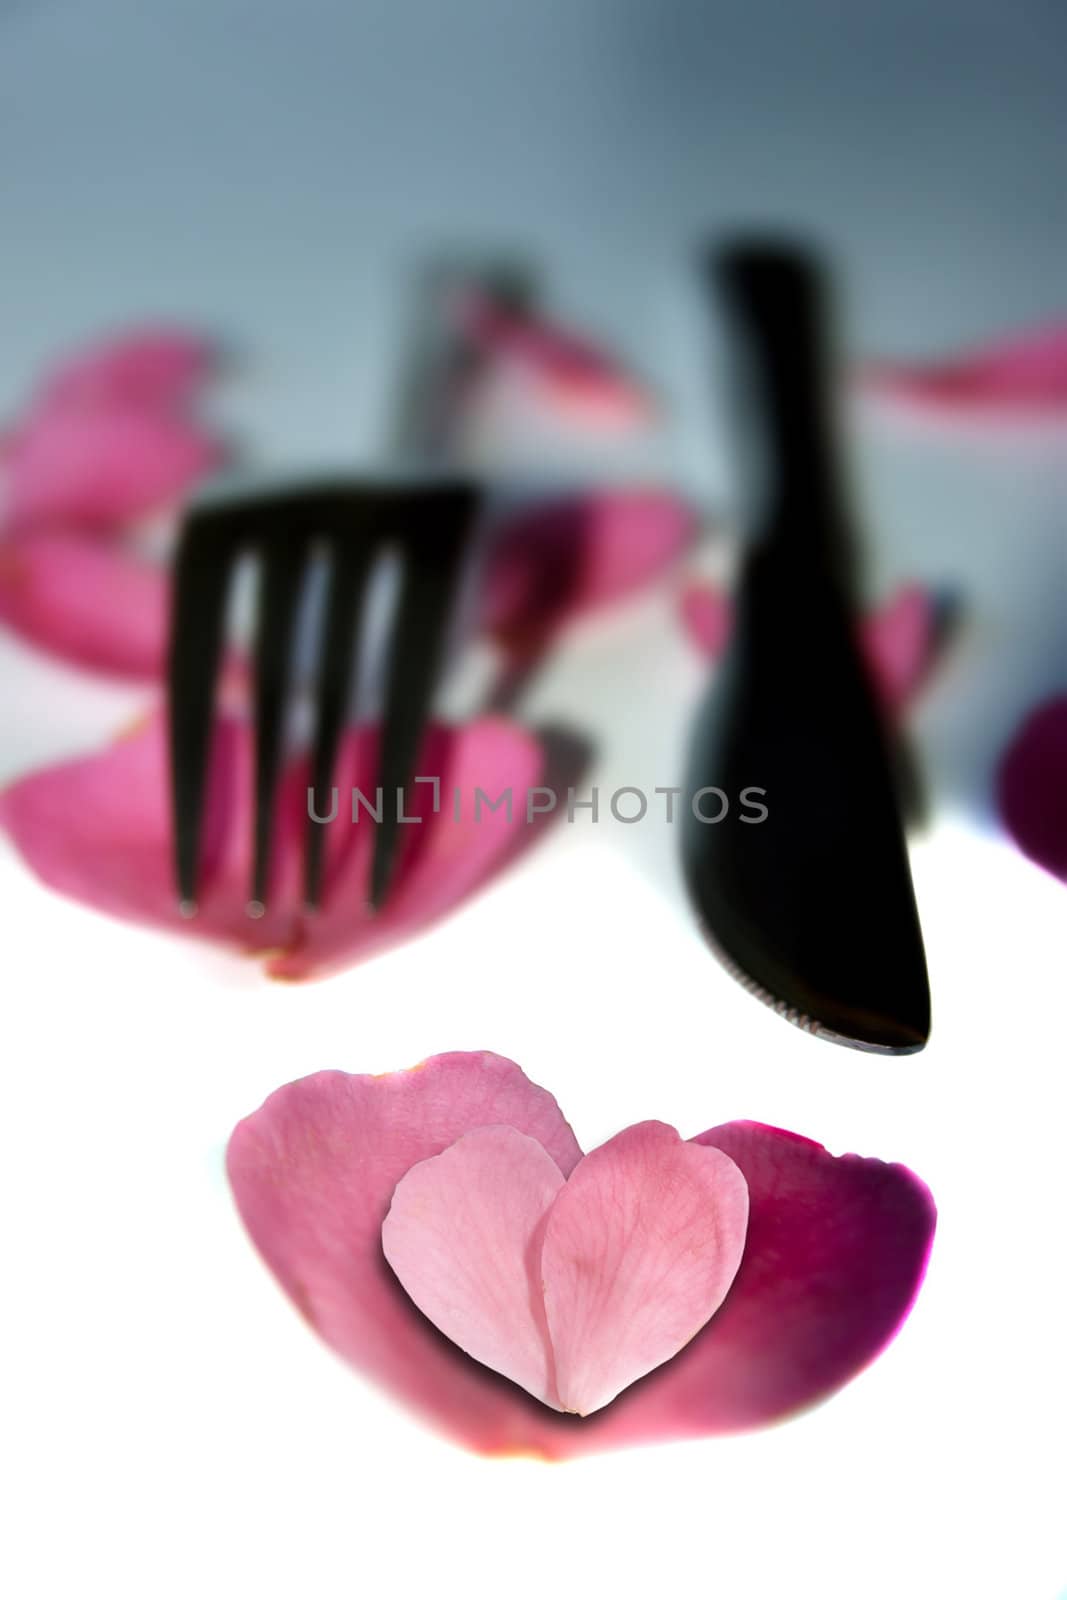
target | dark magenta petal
[
  {"x": 1031, "y": 787},
  {"x": 834, "y": 1255},
  {"x": 98, "y": 829}
]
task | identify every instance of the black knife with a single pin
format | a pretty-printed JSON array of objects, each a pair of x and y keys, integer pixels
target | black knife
[{"x": 810, "y": 905}]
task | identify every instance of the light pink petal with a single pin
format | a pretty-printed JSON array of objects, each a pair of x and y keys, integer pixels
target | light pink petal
[
  {"x": 314, "y": 1171},
  {"x": 98, "y": 829},
  {"x": 464, "y": 1235},
  {"x": 556, "y": 561},
  {"x": 899, "y": 639},
  {"x": 1031, "y": 786},
  {"x": 640, "y": 1249},
  {"x": 578, "y": 380},
  {"x": 154, "y": 369},
  {"x": 1023, "y": 375},
  {"x": 100, "y": 469},
  {"x": 834, "y": 1255},
  {"x": 88, "y": 602}
]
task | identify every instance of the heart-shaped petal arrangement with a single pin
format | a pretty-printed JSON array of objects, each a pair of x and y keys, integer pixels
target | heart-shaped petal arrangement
[
  {"x": 573, "y": 1288},
  {"x": 516, "y": 1265}
]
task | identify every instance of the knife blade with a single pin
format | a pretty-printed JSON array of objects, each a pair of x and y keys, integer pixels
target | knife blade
[{"x": 810, "y": 906}]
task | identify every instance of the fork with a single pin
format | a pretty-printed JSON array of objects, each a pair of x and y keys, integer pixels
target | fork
[{"x": 427, "y": 525}]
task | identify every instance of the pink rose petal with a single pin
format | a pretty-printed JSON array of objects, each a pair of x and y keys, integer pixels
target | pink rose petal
[
  {"x": 84, "y": 601},
  {"x": 448, "y": 857},
  {"x": 102, "y": 606},
  {"x": 1025, "y": 375},
  {"x": 573, "y": 1289},
  {"x": 708, "y": 617},
  {"x": 153, "y": 369},
  {"x": 1031, "y": 786},
  {"x": 100, "y": 469},
  {"x": 464, "y": 1236},
  {"x": 98, "y": 829},
  {"x": 640, "y": 1249},
  {"x": 899, "y": 639},
  {"x": 834, "y": 1255},
  {"x": 313, "y": 1173},
  {"x": 578, "y": 380},
  {"x": 555, "y": 561}
]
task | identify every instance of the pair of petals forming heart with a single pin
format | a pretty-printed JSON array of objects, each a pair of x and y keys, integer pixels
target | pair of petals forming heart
[
  {"x": 574, "y": 1287},
  {"x": 834, "y": 1255},
  {"x": 900, "y": 640},
  {"x": 98, "y": 829}
]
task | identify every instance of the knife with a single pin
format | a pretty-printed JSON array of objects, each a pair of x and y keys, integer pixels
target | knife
[{"x": 810, "y": 905}]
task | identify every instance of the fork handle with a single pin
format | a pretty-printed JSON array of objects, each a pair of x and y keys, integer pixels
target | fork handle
[{"x": 777, "y": 296}]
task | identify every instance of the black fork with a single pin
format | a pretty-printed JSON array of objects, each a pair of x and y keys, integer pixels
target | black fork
[{"x": 429, "y": 529}]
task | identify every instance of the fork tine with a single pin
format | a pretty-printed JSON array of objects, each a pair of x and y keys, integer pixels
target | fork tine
[
  {"x": 433, "y": 528},
  {"x": 350, "y": 563},
  {"x": 283, "y": 555},
  {"x": 202, "y": 569}
]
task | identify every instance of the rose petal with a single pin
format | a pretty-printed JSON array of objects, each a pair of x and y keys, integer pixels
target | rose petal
[
  {"x": 313, "y": 1172},
  {"x": 1031, "y": 786},
  {"x": 640, "y": 1249},
  {"x": 101, "y": 469},
  {"x": 554, "y": 561},
  {"x": 708, "y": 617},
  {"x": 155, "y": 369},
  {"x": 578, "y": 380},
  {"x": 99, "y": 829},
  {"x": 87, "y": 602},
  {"x": 899, "y": 639},
  {"x": 448, "y": 856},
  {"x": 1024, "y": 374},
  {"x": 464, "y": 1235},
  {"x": 834, "y": 1255}
]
